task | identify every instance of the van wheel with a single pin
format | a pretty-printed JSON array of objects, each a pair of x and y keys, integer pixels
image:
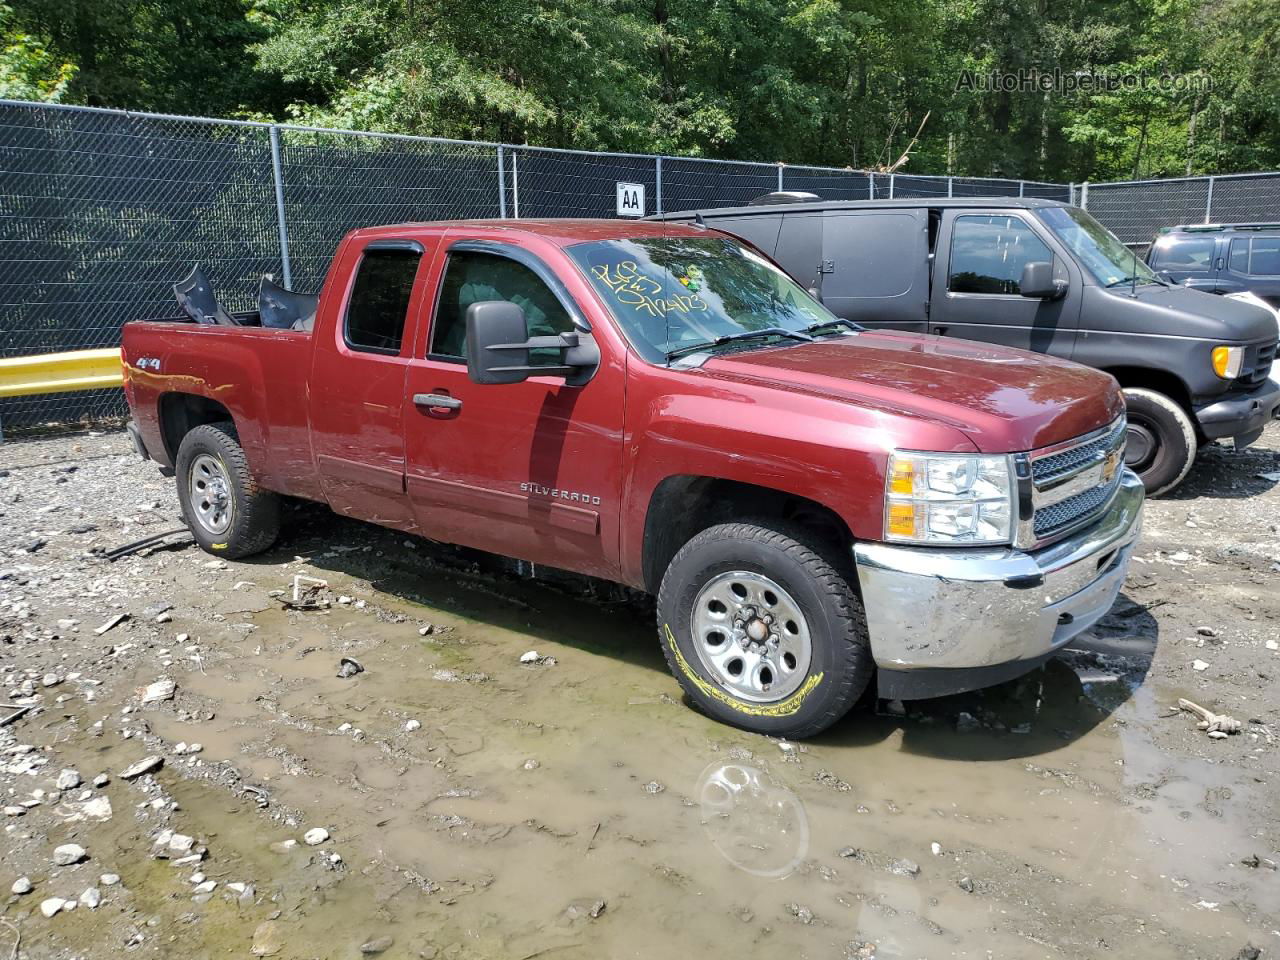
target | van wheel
[
  {"x": 1160, "y": 445},
  {"x": 763, "y": 630},
  {"x": 228, "y": 513}
]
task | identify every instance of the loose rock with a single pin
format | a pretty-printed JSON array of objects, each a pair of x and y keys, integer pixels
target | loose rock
[
  {"x": 145, "y": 765},
  {"x": 315, "y": 836},
  {"x": 268, "y": 940},
  {"x": 68, "y": 854}
]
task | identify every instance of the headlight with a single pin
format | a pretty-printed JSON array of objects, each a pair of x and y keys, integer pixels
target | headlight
[
  {"x": 1227, "y": 361},
  {"x": 948, "y": 498}
]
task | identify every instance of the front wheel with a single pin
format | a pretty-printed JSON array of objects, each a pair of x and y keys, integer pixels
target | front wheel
[
  {"x": 228, "y": 513},
  {"x": 763, "y": 630},
  {"x": 1160, "y": 445}
]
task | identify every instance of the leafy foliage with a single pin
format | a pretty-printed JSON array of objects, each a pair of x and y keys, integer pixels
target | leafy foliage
[{"x": 840, "y": 82}]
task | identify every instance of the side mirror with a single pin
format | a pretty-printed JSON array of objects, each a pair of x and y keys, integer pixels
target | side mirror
[
  {"x": 498, "y": 347},
  {"x": 1037, "y": 282}
]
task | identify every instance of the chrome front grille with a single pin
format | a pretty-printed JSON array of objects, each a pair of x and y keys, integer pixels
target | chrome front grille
[
  {"x": 1072, "y": 483},
  {"x": 1065, "y": 513},
  {"x": 1047, "y": 469}
]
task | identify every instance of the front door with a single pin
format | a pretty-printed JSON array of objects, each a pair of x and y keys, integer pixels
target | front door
[
  {"x": 528, "y": 470},
  {"x": 979, "y": 264}
]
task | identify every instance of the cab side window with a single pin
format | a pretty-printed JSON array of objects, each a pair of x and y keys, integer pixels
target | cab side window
[
  {"x": 380, "y": 300},
  {"x": 989, "y": 252},
  {"x": 471, "y": 277}
]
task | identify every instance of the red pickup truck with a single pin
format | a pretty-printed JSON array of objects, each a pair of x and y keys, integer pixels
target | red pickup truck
[{"x": 661, "y": 405}]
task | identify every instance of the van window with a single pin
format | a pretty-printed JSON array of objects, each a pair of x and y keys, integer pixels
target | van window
[
  {"x": 470, "y": 277},
  {"x": 1264, "y": 256},
  {"x": 1185, "y": 253},
  {"x": 1240, "y": 254},
  {"x": 380, "y": 300},
  {"x": 989, "y": 252}
]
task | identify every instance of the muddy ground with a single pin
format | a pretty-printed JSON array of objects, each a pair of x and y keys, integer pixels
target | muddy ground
[{"x": 474, "y": 806}]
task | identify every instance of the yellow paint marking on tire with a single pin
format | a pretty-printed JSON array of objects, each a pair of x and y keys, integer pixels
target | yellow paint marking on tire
[
  {"x": 217, "y": 546},
  {"x": 785, "y": 708}
]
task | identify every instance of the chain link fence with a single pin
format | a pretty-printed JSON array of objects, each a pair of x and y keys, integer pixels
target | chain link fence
[
  {"x": 1136, "y": 210},
  {"x": 101, "y": 211}
]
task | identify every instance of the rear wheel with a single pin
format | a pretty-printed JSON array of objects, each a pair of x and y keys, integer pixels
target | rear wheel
[
  {"x": 228, "y": 513},
  {"x": 763, "y": 630},
  {"x": 1160, "y": 445}
]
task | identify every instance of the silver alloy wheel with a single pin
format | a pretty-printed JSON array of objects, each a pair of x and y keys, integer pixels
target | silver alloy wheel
[
  {"x": 210, "y": 491},
  {"x": 751, "y": 636}
]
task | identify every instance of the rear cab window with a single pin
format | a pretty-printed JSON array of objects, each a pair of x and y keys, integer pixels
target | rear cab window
[{"x": 380, "y": 298}]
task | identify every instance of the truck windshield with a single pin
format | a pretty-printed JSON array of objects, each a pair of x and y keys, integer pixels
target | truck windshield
[
  {"x": 672, "y": 295},
  {"x": 1099, "y": 250}
]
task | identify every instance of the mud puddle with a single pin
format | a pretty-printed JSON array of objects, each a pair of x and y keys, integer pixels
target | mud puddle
[{"x": 580, "y": 809}]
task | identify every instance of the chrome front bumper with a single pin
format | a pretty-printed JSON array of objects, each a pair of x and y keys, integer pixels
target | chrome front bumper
[{"x": 965, "y": 609}]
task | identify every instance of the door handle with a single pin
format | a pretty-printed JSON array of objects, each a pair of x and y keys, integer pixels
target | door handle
[{"x": 439, "y": 401}]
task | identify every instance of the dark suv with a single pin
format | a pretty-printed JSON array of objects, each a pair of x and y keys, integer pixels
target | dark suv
[
  {"x": 1042, "y": 276},
  {"x": 1221, "y": 258}
]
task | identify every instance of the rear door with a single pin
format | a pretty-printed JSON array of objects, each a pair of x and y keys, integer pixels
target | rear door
[
  {"x": 529, "y": 470},
  {"x": 978, "y": 266},
  {"x": 358, "y": 376},
  {"x": 875, "y": 268},
  {"x": 1254, "y": 265}
]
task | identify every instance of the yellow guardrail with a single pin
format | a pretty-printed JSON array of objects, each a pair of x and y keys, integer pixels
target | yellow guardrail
[{"x": 61, "y": 372}]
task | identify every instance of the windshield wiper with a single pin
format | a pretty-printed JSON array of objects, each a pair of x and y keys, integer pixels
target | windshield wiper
[
  {"x": 739, "y": 337},
  {"x": 824, "y": 326}
]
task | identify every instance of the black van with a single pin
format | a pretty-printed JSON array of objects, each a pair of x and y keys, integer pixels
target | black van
[
  {"x": 1221, "y": 258},
  {"x": 1039, "y": 275}
]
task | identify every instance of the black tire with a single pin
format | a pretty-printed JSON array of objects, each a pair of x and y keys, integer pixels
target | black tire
[
  {"x": 841, "y": 665},
  {"x": 1162, "y": 444},
  {"x": 253, "y": 513}
]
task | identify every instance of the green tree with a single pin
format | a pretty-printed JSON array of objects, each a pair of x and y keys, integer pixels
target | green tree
[{"x": 28, "y": 71}]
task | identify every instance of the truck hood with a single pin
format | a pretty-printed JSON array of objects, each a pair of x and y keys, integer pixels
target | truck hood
[
  {"x": 1003, "y": 400},
  {"x": 1178, "y": 311}
]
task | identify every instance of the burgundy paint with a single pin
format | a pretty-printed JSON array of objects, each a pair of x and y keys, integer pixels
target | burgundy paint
[{"x": 519, "y": 468}]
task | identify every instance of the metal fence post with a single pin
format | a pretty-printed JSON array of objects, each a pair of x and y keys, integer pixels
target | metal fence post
[
  {"x": 1208, "y": 203},
  {"x": 1084, "y": 195},
  {"x": 277, "y": 174},
  {"x": 1071, "y": 193},
  {"x": 502, "y": 186},
  {"x": 515, "y": 184},
  {"x": 657, "y": 179},
  {"x": 1022, "y": 186},
  {"x": 892, "y": 176},
  {"x": 779, "y": 177},
  {"x": 871, "y": 186},
  {"x": 951, "y": 182}
]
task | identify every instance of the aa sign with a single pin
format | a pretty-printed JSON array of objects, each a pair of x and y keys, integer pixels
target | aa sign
[{"x": 631, "y": 199}]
